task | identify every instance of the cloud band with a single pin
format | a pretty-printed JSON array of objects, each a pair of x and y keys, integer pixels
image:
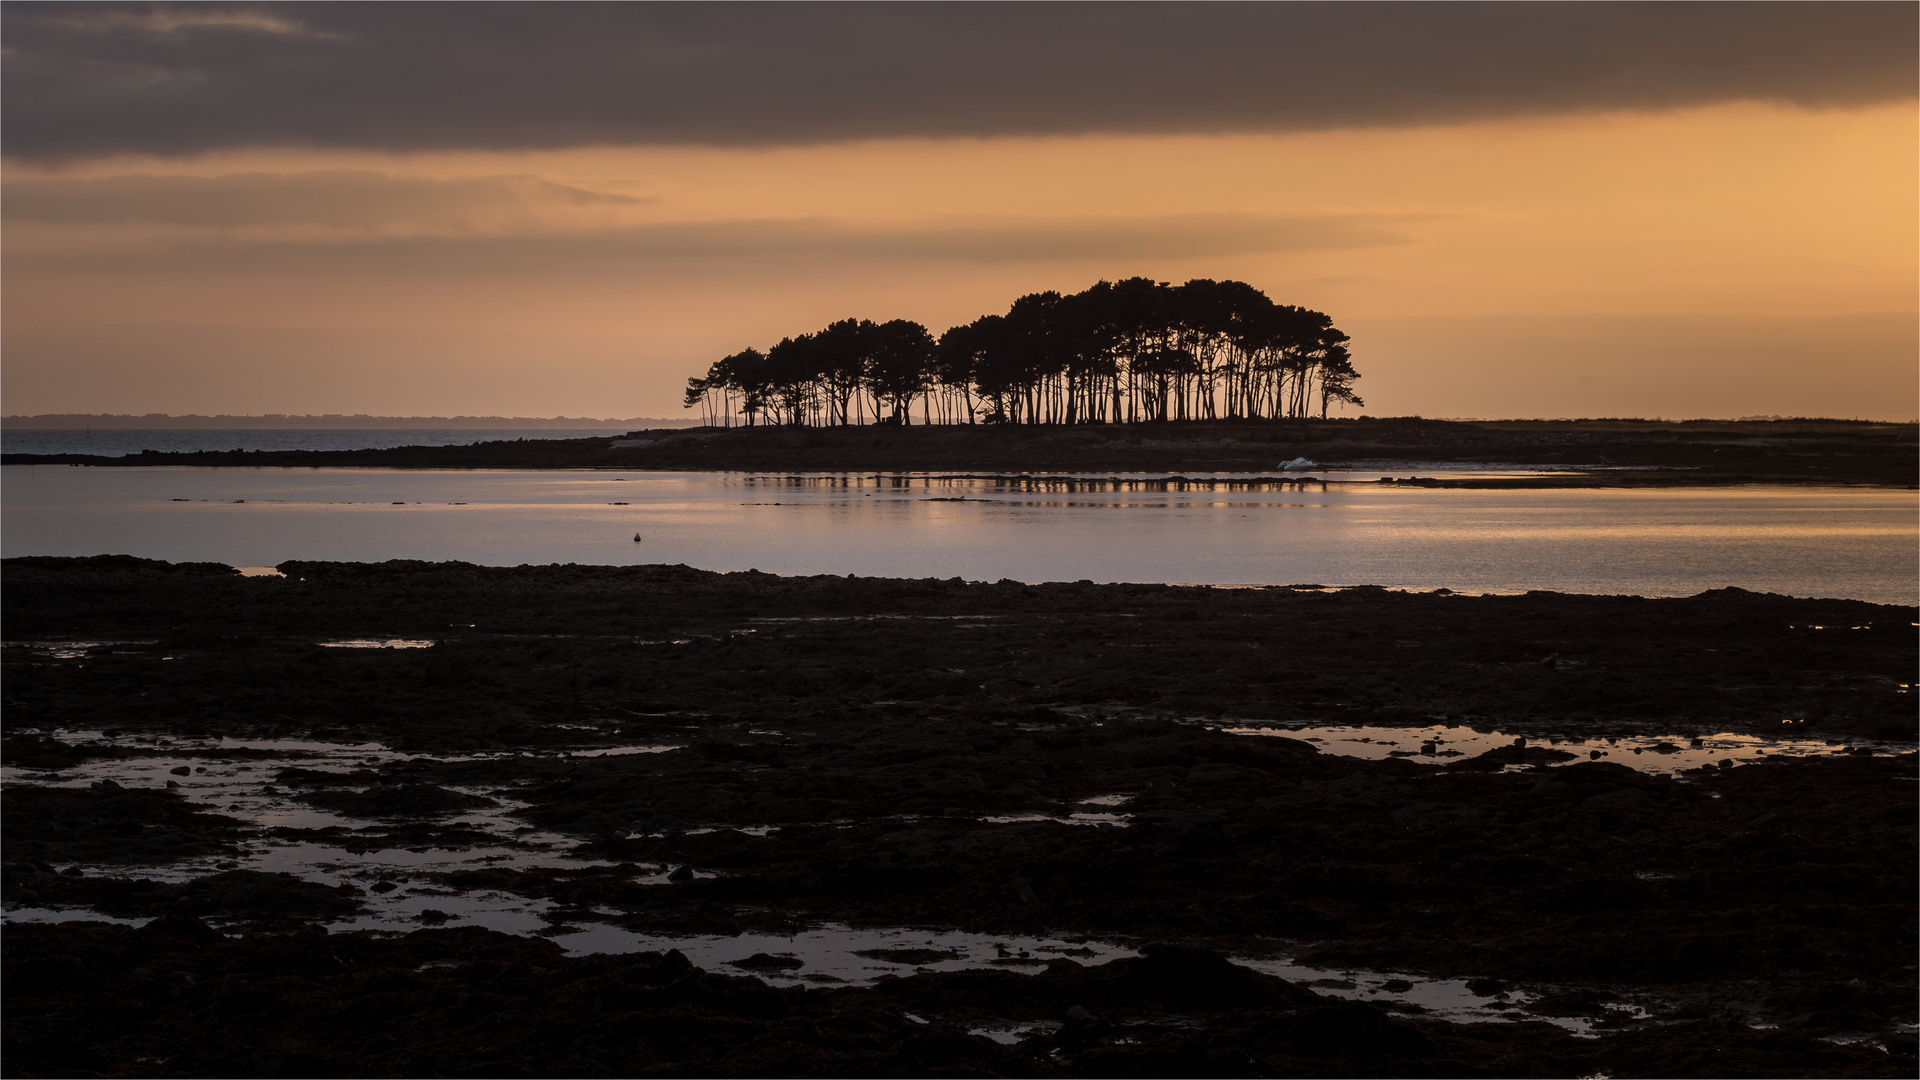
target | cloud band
[{"x": 87, "y": 80}]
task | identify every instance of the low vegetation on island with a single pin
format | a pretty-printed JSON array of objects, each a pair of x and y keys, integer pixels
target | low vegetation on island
[{"x": 1555, "y": 453}]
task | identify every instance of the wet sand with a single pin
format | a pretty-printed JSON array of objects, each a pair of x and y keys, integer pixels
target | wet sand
[{"x": 410, "y": 818}]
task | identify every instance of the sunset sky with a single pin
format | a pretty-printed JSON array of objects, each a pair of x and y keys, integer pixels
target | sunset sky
[{"x": 1555, "y": 210}]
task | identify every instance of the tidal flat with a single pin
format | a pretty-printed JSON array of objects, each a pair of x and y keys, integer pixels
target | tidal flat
[{"x": 416, "y": 818}]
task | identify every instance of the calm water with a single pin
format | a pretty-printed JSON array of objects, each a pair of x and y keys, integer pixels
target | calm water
[
  {"x": 1844, "y": 542},
  {"x": 119, "y": 442}
]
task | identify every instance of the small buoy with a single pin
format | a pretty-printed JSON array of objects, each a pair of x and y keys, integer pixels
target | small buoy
[{"x": 636, "y": 538}]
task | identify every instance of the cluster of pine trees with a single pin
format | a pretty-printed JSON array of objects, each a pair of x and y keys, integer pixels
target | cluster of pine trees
[{"x": 1119, "y": 352}]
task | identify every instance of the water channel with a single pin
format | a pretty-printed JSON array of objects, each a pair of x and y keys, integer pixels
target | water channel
[{"x": 1332, "y": 528}]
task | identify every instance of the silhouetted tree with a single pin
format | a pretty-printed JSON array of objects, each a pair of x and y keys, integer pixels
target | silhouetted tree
[
  {"x": 899, "y": 369},
  {"x": 1117, "y": 352}
]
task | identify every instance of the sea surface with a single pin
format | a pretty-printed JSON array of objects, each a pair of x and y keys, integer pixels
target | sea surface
[
  {"x": 119, "y": 442},
  {"x": 1803, "y": 541}
]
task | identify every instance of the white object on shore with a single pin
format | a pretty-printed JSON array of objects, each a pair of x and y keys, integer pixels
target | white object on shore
[{"x": 1298, "y": 464}]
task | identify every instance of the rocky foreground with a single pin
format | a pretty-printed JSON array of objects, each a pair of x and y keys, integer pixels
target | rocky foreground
[{"x": 843, "y": 748}]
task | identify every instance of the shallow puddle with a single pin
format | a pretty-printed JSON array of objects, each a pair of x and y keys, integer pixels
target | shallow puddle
[
  {"x": 1658, "y": 754},
  {"x": 60, "y": 915},
  {"x": 241, "y": 785},
  {"x": 69, "y": 650},
  {"x": 1439, "y": 999},
  {"x": 833, "y": 954},
  {"x": 619, "y": 751},
  {"x": 1078, "y": 816},
  {"x": 1009, "y": 1034},
  {"x": 839, "y": 954}
]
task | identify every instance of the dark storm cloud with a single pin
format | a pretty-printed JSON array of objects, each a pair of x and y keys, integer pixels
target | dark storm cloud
[
  {"x": 341, "y": 198},
  {"x": 93, "y": 79}
]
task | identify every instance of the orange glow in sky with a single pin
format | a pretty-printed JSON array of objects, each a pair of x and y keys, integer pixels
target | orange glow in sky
[{"x": 1715, "y": 261}]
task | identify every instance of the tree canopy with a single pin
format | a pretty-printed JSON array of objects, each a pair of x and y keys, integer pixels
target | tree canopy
[{"x": 1118, "y": 352}]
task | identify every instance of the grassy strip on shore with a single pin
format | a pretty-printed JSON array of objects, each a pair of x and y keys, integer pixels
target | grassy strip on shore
[{"x": 1587, "y": 452}]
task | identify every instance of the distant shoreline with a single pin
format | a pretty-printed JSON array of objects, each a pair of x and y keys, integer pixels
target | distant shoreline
[
  {"x": 364, "y": 421},
  {"x": 326, "y": 422},
  {"x": 1586, "y": 453}
]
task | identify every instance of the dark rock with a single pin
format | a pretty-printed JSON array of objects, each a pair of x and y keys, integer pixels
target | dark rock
[
  {"x": 915, "y": 957},
  {"x": 1570, "y": 1003},
  {"x": 769, "y": 962},
  {"x": 110, "y": 824},
  {"x": 1619, "y": 797},
  {"x": 398, "y": 800},
  {"x": 1185, "y": 976},
  {"x": 840, "y": 736},
  {"x": 1356, "y": 1026},
  {"x": 1521, "y": 754}
]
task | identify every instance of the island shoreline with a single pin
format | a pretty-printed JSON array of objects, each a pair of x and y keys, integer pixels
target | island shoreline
[{"x": 1577, "y": 453}]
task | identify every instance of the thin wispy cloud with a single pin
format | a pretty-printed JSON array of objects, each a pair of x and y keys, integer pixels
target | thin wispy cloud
[
  {"x": 995, "y": 238},
  {"x": 337, "y": 198}
]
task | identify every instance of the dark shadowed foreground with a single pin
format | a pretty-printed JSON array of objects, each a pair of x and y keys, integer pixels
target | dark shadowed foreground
[{"x": 879, "y": 754}]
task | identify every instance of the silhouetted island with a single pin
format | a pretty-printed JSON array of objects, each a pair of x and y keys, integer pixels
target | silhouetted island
[{"x": 1579, "y": 453}]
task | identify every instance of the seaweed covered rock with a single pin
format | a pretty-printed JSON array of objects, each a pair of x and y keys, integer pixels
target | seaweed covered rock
[{"x": 108, "y": 823}]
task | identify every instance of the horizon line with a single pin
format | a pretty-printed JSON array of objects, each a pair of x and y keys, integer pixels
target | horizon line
[
  {"x": 367, "y": 421},
  {"x": 157, "y": 420}
]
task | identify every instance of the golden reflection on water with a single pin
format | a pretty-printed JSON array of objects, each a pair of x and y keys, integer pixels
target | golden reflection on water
[{"x": 1842, "y": 542}]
